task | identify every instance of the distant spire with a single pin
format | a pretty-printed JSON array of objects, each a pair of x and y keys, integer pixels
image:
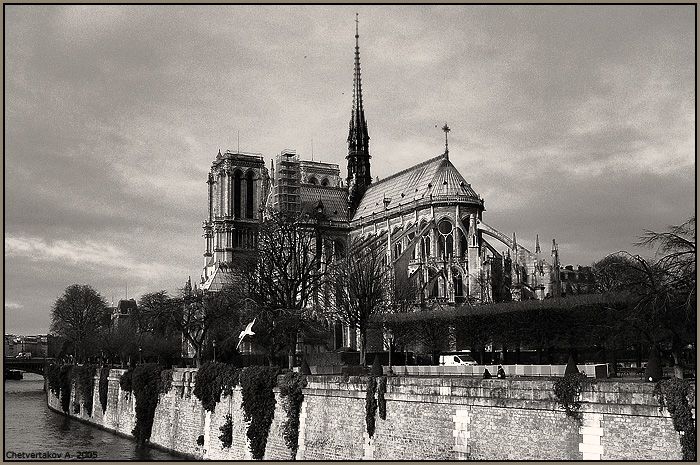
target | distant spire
[
  {"x": 359, "y": 175},
  {"x": 537, "y": 244},
  {"x": 515, "y": 243}
]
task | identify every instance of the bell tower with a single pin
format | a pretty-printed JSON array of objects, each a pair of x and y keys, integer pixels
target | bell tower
[{"x": 359, "y": 175}]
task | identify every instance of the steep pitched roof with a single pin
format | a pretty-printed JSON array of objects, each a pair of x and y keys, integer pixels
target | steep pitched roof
[
  {"x": 334, "y": 199},
  {"x": 436, "y": 176}
]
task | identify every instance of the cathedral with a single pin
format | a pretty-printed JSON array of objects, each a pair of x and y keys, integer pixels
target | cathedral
[{"x": 428, "y": 215}]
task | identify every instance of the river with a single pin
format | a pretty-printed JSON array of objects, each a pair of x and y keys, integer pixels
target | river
[{"x": 30, "y": 427}]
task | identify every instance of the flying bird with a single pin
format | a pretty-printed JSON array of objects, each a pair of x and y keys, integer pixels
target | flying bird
[{"x": 247, "y": 331}]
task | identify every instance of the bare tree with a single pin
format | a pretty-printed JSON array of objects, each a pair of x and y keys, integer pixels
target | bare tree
[
  {"x": 362, "y": 283},
  {"x": 78, "y": 315},
  {"x": 663, "y": 291},
  {"x": 284, "y": 274}
]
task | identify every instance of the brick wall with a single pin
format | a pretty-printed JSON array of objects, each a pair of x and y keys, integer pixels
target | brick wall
[{"x": 431, "y": 418}]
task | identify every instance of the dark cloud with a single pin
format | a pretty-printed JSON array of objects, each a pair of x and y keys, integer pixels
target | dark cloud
[{"x": 574, "y": 122}]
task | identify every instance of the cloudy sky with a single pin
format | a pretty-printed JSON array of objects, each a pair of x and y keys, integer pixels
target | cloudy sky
[{"x": 574, "y": 122}]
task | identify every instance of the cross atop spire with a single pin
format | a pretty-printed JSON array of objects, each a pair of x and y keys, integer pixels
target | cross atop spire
[{"x": 446, "y": 129}]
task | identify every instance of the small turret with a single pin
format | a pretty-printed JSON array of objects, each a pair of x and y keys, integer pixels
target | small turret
[{"x": 537, "y": 244}]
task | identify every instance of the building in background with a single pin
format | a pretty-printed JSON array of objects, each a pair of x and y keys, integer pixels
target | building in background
[{"x": 428, "y": 215}]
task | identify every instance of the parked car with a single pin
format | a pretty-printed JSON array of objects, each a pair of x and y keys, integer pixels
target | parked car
[{"x": 457, "y": 360}]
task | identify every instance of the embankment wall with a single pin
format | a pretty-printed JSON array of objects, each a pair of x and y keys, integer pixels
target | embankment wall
[{"x": 427, "y": 418}]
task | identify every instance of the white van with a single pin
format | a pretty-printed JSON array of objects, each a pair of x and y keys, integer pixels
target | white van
[{"x": 457, "y": 360}]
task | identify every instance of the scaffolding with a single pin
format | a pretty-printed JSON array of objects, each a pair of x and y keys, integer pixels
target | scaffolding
[{"x": 288, "y": 178}]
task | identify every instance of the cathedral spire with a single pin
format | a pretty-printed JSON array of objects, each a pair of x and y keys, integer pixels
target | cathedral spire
[
  {"x": 359, "y": 175},
  {"x": 537, "y": 244}
]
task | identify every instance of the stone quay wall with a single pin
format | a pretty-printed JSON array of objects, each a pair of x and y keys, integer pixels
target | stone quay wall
[{"x": 427, "y": 418}]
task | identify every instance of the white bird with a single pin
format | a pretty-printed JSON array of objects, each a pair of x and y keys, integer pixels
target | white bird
[{"x": 247, "y": 331}]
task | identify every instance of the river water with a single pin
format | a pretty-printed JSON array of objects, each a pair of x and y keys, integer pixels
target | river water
[{"x": 30, "y": 427}]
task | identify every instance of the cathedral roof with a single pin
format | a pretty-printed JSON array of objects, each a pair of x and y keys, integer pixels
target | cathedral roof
[
  {"x": 334, "y": 199},
  {"x": 436, "y": 176}
]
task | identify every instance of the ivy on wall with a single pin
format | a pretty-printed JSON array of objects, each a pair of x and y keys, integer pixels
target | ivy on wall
[
  {"x": 147, "y": 383},
  {"x": 292, "y": 398},
  {"x": 64, "y": 381},
  {"x": 370, "y": 405},
  {"x": 567, "y": 391},
  {"x": 673, "y": 394},
  {"x": 125, "y": 380},
  {"x": 258, "y": 405},
  {"x": 84, "y": 376},
  {"x": 214, "y": 379},
  {"x": 226, "y": 429},
  {"x": 104, "y": 387}
]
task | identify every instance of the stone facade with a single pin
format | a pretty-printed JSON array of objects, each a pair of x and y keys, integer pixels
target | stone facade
[
  {"x": 428, "y": 418},
  {"x": 428, "y": 217}
]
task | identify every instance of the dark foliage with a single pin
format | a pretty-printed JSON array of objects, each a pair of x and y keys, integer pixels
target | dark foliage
[
  {"x": 200, "y": 440},
  {"x": 64, "y": 381},
  {"x": 567, "y": 391},
  {"x": 370, "y": 405},
  {"x": 377, "y": 367},
  {"x": 226, "y": 429},
  {"x": 147, "y": 384},
  {"x": 571, "y": 367},
  {"x": 53, "y": 378},
  {"x": 166, "y": 381},
  {"x": 653, "y": 372},
  {"x": 381, "y": 401},
  {"x": 673, "y": 394},
  {"x": 104, "y": 387},
  {"x": 214, "y": 379},
  {"x": 84, "y": 377},
  {"x": 258, "y": 405},
  {"x": 305, "y": 369},
  {"x": 292, "y": 398},
  {"x": 487, "y": 373},
  {"x": 126, "y": 380}
]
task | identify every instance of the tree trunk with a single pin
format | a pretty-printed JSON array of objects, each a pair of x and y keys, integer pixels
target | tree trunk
[
  {"x": 198, "y": 356},
  {"x": 676, "y": 349}
]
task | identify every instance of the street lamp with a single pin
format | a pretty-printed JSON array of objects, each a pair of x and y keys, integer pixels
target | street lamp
[
  {"x": 390, "y": 338},
  {"x": 213, "y": 343},
  {"x": 140, "y": 356}
]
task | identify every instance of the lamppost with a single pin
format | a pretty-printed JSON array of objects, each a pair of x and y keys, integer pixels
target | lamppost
[
  {"x": 214, "y": 344},
  {"x": 390, "y": 338},
  {"x": 140, "y": 356}
]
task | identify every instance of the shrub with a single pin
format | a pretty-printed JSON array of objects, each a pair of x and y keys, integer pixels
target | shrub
[
  {"x": 104, "y": 387},
  {"x": 673, "y": 394},
  {"x": 258, "y": 405},
  {"x": 147, "y": 385},
  {"x": 370, "y": 405},
  {"x": 212, "y": 380},
  {"x": 64, "y": 380},
  {"x": 292, "y": 398},
  {"x": 653, "y": 372},
  {"x": 84, "y": 377},
  {"x": 571, "y": 367},
  {"x": 226, "y": 429},
  {"x": 125, "y": 380},
  {"x": 381, "y": 401},
  {"x": 567, "y": 390}
]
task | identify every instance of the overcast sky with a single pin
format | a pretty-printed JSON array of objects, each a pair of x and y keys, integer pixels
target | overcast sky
[{"x": 574, "y": 122}]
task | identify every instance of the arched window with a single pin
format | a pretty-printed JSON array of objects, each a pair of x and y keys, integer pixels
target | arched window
[
  {"x": 249, "y": 204},
  {"x": 457, "y": 282},
  {"x": 237, "y": 176},
  {"x": 324, "y": 182},
  {"x": 313, "y": 180},
  {"x": 445, "y": 240}
]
